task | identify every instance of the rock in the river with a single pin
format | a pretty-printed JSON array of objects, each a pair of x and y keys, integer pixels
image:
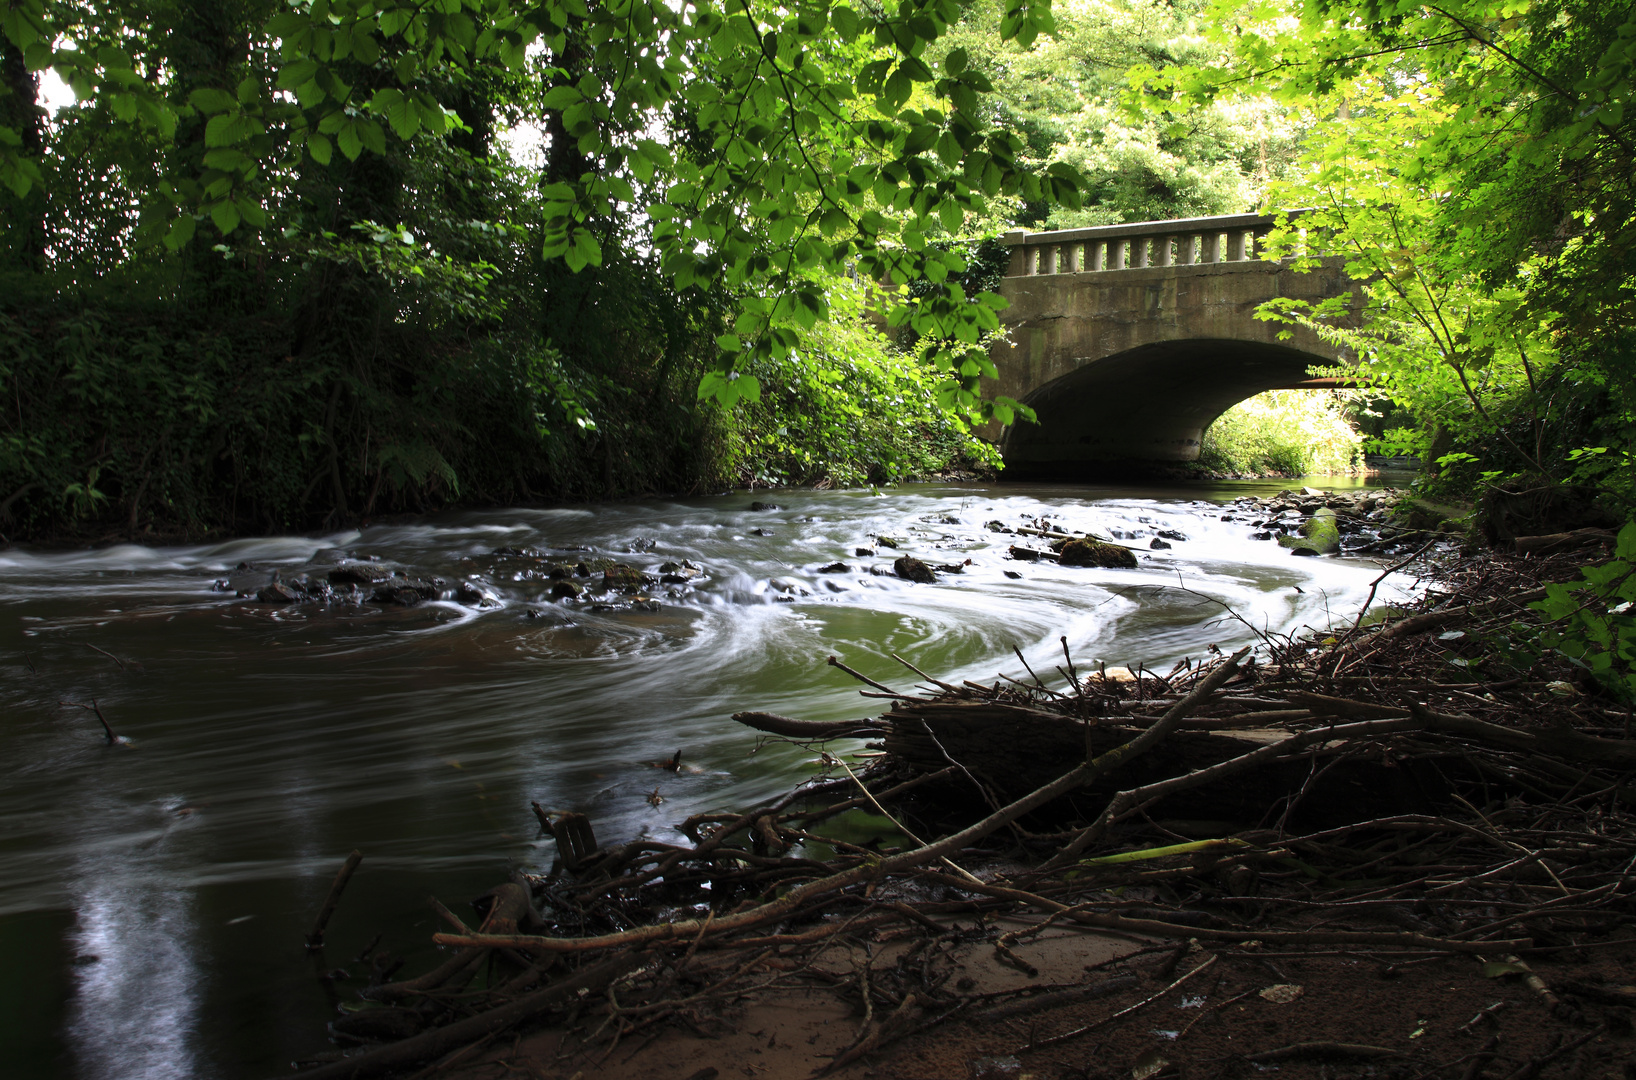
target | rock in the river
[
  {"x": 763, "y": 506},
  {"x": 889, "y": 541},
  {"x": 357, "y": 573},
  {"x": 835, "y": 568},
  {"x": 1318, "y": 535},
  {"x": 995, "y": 526},
  {"x": 1096, "y": 553},
  {"x": 1172, "y": 534},
  {"x": 1011, "y": 573},
  {"x": 278, "y": 593},
  {"x": 565, "y": 590},
  {"x": 393, "y": 593},
  {"x": 1159, "y": 545},
  {"x": 472, "y": 592},
  {"x": 913, "y": 569},
  {"x": 625, "y": 578},
  {"x": 684, "y": 568},
  {"x": 864, "y": 552}
]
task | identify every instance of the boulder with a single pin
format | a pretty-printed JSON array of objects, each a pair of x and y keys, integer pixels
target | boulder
[
  {"x": 913, "y": 569},
  {"x": 1096, "y": 553},
  {"x": 758, "y": 506},
  {"x": 278, "y": 593},
  {"x": 565, "y": 590},
  {"x": 864, "y": 552},
  {"x": 359, "y": 574},
  {"x": 625, "y": 578},
  {"x": 1159, "y": 545},
  {"x": 835, "y": 568},
  {"x": 1317, "y": 535}
]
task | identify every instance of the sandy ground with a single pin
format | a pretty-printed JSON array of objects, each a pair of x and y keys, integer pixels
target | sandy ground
[{"x": 1238, "y": 1014}]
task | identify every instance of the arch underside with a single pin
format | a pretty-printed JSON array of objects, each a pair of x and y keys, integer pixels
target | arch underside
[{"x": 1149, "y": 404}]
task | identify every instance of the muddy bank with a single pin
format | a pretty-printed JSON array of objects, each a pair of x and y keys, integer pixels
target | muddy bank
[{"x": 1354, "y": 852}]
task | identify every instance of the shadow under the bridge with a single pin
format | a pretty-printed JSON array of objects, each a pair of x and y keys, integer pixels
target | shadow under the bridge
[{"x": 1144, "y": 407}]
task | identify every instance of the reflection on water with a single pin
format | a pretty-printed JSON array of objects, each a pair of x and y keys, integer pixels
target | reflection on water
[
  {"x": 136, "y": 995},
  {"x": 267, "y": 742}
]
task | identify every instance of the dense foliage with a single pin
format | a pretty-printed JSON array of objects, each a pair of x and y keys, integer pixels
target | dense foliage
[
  {"x": 273, "y": 267},
  {"x": 1285, "y": 433}
]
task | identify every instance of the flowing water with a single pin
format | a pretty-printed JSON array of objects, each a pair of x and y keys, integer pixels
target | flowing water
[{"x": 154, "y": 894}]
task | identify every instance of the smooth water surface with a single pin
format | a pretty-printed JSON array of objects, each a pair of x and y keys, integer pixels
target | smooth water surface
[{"x": 153, "y": 896}]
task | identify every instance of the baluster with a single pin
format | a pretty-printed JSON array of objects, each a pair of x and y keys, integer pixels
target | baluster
[
  {"x": 1076, "y": 259},
  {"x": 1031, "y": 261},
  {"x": 1259, "y": 241},
  {"x": 1184, "y": 249},
  {"x": 1210, "y": 247},
  {"x": 1096, "y": 255},
  {"x": 1118, "y": 252},
  {"x": 1138, "y": 252},
  {"x": 1235, "y": 245},
  {"x": 1161, "y": 251},
  {"x": 1054, "y": 256}
]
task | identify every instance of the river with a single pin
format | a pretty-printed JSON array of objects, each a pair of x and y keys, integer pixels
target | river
[{"x": 154, "y": 895}]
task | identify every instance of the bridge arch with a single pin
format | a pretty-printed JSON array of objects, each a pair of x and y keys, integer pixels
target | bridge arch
[
  {"x": 1150, "y": 403},
  {"x": 1128, "y": 340}
]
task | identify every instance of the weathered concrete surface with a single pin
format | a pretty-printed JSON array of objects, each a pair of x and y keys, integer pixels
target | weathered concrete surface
[{"x": 1133, "y": 364}]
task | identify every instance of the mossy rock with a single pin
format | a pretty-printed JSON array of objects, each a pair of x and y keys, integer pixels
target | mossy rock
[
  {"x": 914, "y": 570},
  {"x": 1096, "y": 553},
  {"x": 1318, "y": 535},
  {"x": 625, "y": 578}
]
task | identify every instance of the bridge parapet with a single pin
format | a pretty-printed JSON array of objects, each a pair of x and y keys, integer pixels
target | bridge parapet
[{"x": 1225, "y": 238}]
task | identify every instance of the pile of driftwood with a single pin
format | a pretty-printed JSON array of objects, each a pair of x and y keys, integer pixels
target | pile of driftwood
[{"x": 1355, "y": 789}]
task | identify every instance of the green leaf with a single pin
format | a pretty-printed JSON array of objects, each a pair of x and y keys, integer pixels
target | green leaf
[
  {"x": 319, "y": 148},
  {"x": 180, "y": 232},
  {"x": 210, "y": 100},
  {"x": 225, "y": 215},
  {"x": 845, "y": 23},
  {"x": 729, "y": 343},
  {"x": 348, "y": 139}
]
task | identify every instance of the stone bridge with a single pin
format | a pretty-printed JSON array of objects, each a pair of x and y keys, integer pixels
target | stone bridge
[{"x": 1128, "y": 340}]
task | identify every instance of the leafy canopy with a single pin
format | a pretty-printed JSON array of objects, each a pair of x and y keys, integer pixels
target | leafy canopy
[{"x": 770, "y": 145}]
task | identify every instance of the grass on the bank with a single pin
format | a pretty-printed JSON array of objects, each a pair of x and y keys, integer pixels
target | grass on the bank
[{"x": 1288, "y": 432}]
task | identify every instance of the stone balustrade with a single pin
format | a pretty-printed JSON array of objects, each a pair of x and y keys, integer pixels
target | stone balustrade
[{"x": 1230, "y": 238}]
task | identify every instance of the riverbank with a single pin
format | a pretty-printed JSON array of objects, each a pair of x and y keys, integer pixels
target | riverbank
[{"x": 1420, "y": 833}]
